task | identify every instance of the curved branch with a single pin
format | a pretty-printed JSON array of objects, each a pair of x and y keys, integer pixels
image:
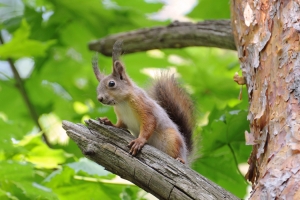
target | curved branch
[
  {"x": 151, "y": 169},
  {"x": 214, "y": 33}
]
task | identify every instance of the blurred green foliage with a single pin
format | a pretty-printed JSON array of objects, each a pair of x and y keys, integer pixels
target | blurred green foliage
[{"x": 47, "y": 42}]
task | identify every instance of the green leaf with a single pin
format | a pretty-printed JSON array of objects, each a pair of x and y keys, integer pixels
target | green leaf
[
  {"x": 17, "y": 171},
  {"x": 140, "y": 5},
  {"x": 88, "y": 190},
  {"x": 223, "y": 148},
  {"x": 44, "y": 157},
  {"x": 207, "y": 9},
  {"x": 10, "y": 13},
  {"x": 65, "y": 185},
  {"x": 12, "y": 24},
  {"x": 22, "y": 46},
  {"x": 17, "y": 179},
  {"x": 131, "y": 193},
  {"x": 6, "y": 143},
  {"x": 59, "y": 177},
  {"x": 207, "y": 76},
  {"x": 36, "y": 191},
  {"x": 7, "y": 196},
  {"x": 14, "y": 123},
  {"x": 89, "y": 167},
  {"x": 40, "y": 154}
]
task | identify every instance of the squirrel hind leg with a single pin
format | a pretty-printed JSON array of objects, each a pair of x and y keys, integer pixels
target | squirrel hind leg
[{"x": 175, "y": 145}]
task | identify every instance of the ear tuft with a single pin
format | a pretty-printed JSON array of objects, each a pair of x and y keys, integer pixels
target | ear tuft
[{"x": 97, "y": 72}]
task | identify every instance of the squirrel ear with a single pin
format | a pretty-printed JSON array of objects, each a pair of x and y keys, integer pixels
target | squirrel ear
[{"x": 119, "y": 70}]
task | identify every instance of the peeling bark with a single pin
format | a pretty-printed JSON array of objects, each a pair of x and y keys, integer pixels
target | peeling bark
[
  {"x": 267, "y": 38},
  {"x": 151, "y": 169},
  {"x": 214, "y": 33}
]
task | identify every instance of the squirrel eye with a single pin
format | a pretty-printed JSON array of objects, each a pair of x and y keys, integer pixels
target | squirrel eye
[{"x": 111, "y": 84}]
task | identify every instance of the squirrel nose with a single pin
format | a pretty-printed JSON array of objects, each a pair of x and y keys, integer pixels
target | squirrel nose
[{"x": 100, "y": 99}]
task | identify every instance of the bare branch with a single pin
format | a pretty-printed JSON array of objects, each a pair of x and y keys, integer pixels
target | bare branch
[
  {"x": 214, "y": 33},
  {"x": 151, "y": 169}
]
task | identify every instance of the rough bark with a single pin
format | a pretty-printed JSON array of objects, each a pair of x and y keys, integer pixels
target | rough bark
[
  {"x": 151, "y": 169},
  {"x": 267, "y": 38},
  {"x": 214, "y": 33}
]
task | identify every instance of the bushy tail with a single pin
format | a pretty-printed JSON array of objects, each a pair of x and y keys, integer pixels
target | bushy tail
[{"x": 177, "y": 103}]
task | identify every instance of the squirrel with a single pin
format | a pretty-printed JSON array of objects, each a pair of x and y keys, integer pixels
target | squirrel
[{"x": 162, "y": 117}]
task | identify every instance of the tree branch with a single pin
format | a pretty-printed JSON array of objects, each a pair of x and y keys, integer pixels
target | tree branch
[
  {"x": 151, "y": 169},
  {"x": 214, "y": 33}
]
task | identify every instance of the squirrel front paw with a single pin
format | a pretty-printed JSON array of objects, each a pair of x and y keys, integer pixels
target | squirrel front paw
[
  {"x": 105, "y": 121},
  {"x": 136, "y": 145}
]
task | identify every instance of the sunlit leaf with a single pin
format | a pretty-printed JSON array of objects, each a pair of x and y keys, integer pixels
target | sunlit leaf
[
  {"x": 22, "y": 46},
  {"x": 40, "y": 154}
]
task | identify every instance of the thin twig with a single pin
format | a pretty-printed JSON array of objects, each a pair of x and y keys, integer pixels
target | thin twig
[{"x": 22, "y": 90}]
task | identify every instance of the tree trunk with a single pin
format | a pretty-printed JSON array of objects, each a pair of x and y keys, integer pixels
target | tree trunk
[
  {"x": 152, "y": 170},
  {"x": 267, "y": 38}
]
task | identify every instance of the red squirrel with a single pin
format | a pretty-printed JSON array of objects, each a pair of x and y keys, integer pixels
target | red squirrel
[{"x": 162, "y": 117}]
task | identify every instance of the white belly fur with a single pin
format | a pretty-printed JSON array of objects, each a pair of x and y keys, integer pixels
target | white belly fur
[{"x": 128, "y": 117}]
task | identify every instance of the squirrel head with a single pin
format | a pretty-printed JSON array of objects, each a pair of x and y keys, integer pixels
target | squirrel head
[{"x": 114, "y": 88}]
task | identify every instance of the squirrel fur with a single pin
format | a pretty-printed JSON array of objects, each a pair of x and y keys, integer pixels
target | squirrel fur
[{"x": 162, "y": 117}]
